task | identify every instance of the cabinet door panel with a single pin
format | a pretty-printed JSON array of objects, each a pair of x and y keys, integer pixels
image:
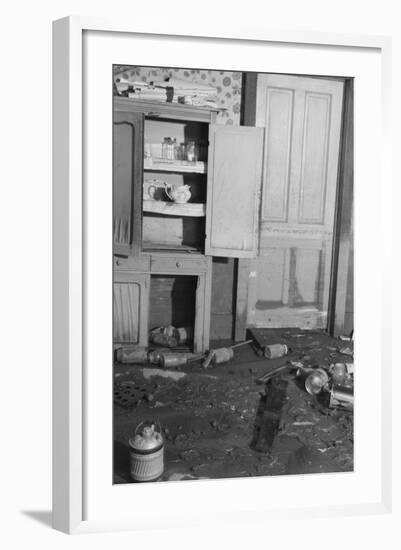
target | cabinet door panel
[
  {"x": 130, "y": 308},
  {"x": 234, "y": 176},
  {"x": 127, "y": 178}
]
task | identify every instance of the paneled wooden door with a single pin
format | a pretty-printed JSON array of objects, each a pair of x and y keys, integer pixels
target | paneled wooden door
[{"x": 289, "y": 281}]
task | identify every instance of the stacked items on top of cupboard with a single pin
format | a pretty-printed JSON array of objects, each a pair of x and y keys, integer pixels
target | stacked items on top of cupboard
[{"x": 169, "y": 90}]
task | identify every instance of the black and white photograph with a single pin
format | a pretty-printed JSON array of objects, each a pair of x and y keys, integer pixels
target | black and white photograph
[
  {"x": 200, "y": 219},
  {"x": 233, "y": 318}
]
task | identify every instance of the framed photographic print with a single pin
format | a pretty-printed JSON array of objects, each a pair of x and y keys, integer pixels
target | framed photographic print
[{"x": 212, "y": 210}]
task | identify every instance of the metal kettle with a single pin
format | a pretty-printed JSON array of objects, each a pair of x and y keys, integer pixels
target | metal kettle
[
  {"x": 149, "y": 438},
  {"x": 147, "y": 452}
]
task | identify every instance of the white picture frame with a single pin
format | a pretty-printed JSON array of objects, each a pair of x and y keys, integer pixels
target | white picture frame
[{"x": 76, "y": 39}]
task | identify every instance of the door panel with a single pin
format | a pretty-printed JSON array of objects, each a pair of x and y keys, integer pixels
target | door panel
[
  {"x": 234, "y": 175},
  {"x": 277, "y": 153},
  {"x": 126, "y": 312},
  {"x": 313, "y": 182},
  {"x": 290, "y": 281},
  {"x": 127, "y": 178},
  {"x": 274, "y": 263},
  {"x": 130, "y": 308}
]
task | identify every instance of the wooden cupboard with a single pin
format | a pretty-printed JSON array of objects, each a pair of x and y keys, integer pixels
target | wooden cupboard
[{"x": 164, "y": 248}]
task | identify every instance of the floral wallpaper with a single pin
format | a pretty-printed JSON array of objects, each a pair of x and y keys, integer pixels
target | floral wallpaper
[{"x": 228, "y": 85}]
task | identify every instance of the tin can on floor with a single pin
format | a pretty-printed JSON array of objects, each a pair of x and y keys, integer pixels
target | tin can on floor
[
  {"x": 184, "y": 334},
  {"x": 274, "y": 351},
  {"x": 339, "y": 373},
  {"x": 170, "y": 360},
  {"x": 154, "y": 357},
  {"x": 147, "y": 452},
  {"x": 132, "y": 355},
  {"x": 341, "y": 396},
  {"x": 223, "y": 355}
]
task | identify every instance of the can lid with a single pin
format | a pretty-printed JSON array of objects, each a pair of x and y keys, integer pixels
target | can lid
[{"x": 147, "y": 441}]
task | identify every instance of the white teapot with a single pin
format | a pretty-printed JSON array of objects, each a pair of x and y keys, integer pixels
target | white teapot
[{"x": 180, "y": 194}]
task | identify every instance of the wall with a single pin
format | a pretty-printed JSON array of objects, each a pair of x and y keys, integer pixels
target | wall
[
  {"x": 229, "y": 88},
  {"x": 228, "y": 85}
]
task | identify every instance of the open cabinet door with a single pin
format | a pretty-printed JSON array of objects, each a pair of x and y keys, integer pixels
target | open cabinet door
[
  {"x": 128, "y": 131},
  {"x": 233, "y": 191}
]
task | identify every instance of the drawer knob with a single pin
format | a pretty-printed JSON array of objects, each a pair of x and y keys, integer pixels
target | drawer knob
[
  {"x": 118, "y": 262},
  {"x": 178, "y": 264}
]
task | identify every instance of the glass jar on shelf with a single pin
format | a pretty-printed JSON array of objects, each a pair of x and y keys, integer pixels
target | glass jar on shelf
[
  {"x": 165, "y": 145},
  {"x": 192, "y": 151},
  {"x": 182, "y": 152},
  {"x": 168, "y": 148}
]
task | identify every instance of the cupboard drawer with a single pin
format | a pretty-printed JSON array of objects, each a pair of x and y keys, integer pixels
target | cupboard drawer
[
  {"x": 178, "y": 264},
  {"x": 139, "y": 264}
]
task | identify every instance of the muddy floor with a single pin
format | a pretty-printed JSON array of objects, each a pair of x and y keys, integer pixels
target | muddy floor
[{"x": 221, "y": 422}]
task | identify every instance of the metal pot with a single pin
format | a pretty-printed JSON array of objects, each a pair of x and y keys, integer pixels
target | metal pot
[{"x": 315, "y": 382}]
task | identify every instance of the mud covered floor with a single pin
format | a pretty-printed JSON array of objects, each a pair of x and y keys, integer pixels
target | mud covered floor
[{"x": 220, "y": 422}]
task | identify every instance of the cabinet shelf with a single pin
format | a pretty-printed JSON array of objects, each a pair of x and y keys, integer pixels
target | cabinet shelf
[
  {"x": 192, "y": 209},
  {"x": 163, "y": 165}
]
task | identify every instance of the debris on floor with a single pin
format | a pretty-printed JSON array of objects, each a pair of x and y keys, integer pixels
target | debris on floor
[
  {"x": 222, "y": 355},
  {"x": 170, "y": 336},
  {"x": 222, "y": 423},
  {"x": 148, "y": 373}
]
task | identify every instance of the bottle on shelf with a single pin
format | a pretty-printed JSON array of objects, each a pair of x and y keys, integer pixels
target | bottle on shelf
[
  {"x": 192, "y": 151},
  {"x": 168, "y": 148},
  {"x": 181, "y": 152}
]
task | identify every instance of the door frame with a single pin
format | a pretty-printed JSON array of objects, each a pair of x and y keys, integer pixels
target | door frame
[{"x": 340, "y": 308}]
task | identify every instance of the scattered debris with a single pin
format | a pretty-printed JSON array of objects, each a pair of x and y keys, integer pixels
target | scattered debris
[
  {"x": 132, "y": 355},
  {"x": 165, "y": 336},
  {"x": 346, "y": 351},
  {"x": 265, "y": 346},
  {"x": 128, "y": 394},
  {"x": 304, "y": 423},
  {"x": 350, "y": 368},
  {"x": 170, "y": 336},
  {"x": 172, "y": 359},
  {"x": 217, "y": 356},
  {"x": 316, "y": 381},
  {"x": 269, "y": 413},
  {"x": 274, "y": 351},
  {"x": 342, "y": 396},
  {"x": 149, "y": 372},
  {"x": 222, "y": 355},
  {"x": 338, "y": 373},
  {"x": 222, "y": 413},
  {"x": 272, "y": 373},
  {"x": 297, "y": 364},
  {"x": 178, "y": 477}
]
